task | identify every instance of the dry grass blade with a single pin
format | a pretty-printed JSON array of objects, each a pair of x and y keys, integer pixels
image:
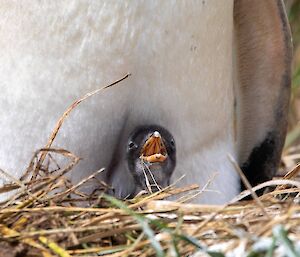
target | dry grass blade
[
  {"x": 248, "y": 186},
  {"x": 67, "y": 112},
  {"x": 18, "y": 182}
]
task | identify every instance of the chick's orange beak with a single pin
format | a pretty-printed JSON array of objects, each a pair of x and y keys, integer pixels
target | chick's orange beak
[{"x": 154, "y": 149}]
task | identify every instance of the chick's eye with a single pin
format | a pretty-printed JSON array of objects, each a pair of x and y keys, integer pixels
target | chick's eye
[
  {"x": 131, "y": 145},
  {"x": 172, "y": 143}
]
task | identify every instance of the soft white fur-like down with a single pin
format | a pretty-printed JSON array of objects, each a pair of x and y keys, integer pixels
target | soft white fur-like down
[{"x": 178, "y": 52}]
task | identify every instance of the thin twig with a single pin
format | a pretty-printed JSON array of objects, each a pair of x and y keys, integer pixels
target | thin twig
[
  {"x": 248, "y": 186},
  {"x": 67, "y": 112}
]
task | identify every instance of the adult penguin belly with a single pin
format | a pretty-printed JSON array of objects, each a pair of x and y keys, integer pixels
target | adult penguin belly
[{"x": 180, "y": 57}]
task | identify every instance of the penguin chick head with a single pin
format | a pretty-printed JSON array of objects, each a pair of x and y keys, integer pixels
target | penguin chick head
[{"x": 151, "y": 157}]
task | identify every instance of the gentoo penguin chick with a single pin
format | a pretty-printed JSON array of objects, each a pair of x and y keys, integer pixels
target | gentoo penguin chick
[{"x": 151, "y": 157}]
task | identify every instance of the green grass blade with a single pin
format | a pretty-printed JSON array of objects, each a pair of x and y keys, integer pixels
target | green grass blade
[
  {"x": 281, "y": 235},
  {"x": 270, "y": 252},
  {"x": 142, "y": 221}
]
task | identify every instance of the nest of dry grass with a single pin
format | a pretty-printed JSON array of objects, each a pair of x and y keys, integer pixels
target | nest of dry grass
[{"x": 47, "y": 215}]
